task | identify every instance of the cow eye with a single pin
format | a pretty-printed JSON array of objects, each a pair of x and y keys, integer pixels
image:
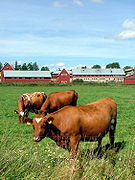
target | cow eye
[{"x": 43, "y": 126}]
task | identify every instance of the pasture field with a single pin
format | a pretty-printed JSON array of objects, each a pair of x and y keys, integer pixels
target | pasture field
[{"x": 21, "y": 158}]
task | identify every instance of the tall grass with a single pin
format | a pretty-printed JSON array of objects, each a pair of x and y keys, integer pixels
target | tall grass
[{"x": 21, "y": 158}]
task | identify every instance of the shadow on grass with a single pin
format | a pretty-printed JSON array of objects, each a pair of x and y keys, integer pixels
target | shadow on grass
[{"x": 103, "y": 153}]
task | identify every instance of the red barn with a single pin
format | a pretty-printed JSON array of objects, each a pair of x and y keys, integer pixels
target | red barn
[
  {"x": 63, "y": 76},
  {"x": 130, "y": 79},
  {"x": 8, "y": 74},
  {"x": 7, "y": 67}
]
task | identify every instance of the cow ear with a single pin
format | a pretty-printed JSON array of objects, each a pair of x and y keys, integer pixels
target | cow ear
[
  {"x": 36, "y": 111},
  {"x": 28, "y": 120},
  {"x": 50, "y": 120},
  {"x": 16, "y": 111},
  {"x": 42, "y": 112}
]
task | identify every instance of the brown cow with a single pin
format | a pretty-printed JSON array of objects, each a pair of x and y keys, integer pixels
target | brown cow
[
  {"x": 70, "y": 124},
  {"x": 30, "y": 102},
  {"x": 58, "y": 100}
]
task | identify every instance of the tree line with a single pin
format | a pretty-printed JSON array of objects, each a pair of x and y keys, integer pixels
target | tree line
[
  {"x": 27, "y": 67},
  {"x": 34, "y": 66}
]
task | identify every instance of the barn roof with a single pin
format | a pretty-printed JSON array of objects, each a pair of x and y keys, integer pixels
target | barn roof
[
  {"x": 88, "y": 71},
  {"x": 131, "y": 76},
  {"x": 59, "y": 71},
  {"x": 46, "y": 74}
]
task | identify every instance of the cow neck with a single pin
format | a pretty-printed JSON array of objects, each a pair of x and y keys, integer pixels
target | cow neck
[
  {"x": 53, "y": 132},
  {"x": 20, "y": 106},
  {"x": 29, "y": 97}
]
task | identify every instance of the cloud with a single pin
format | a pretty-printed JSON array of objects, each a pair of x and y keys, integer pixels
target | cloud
[
  {"x": 129, "y": 24},
  {"x": 57, "y": 4},
  {"x": 96, "y": 1},
  {"x": 78, "y": 2},
  {"x": 129, "y": 33},
  {"x": 60, "y": 64},
  {"x": 78, "y": 66}
]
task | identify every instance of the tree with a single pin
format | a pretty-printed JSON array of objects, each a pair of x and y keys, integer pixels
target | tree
[
  {"x": 96, "y": 66},
  {"x": 44, "y": 68},
  {"x": 35, "y": 67},
  {"x": 24, "y": 67},
  {"x": 30, "y": 66},
  {"x": 113, "y": 65},
  {"x": 84, "y": 67},
  {"x": 0, "y": 66},
  {"x": 127, "y": 67},
  {"x": 17, "y": 67}
]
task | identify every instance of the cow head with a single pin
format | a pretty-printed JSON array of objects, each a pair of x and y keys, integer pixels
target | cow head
[
  {"x": 40, "y": 125},
  {"x": 21, "y": 115}
]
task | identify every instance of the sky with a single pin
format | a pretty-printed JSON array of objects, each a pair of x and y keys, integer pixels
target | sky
[{"x": 67, "y": 33}]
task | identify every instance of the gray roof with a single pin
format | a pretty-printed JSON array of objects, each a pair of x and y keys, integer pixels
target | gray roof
[
  {"x": 88, "y": 71},
  {"x": 22, "y": 74},
  {"x": 59, "y": 71}
]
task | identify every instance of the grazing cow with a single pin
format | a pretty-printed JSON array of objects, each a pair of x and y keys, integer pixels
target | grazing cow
[
  {"x": 58, "y": 100},
  {"x": 30, "y": 102},
  {"x": 69, "y": 125}
]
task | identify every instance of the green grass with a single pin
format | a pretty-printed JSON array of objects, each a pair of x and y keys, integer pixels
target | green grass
[{"x": 21, "y": 158}]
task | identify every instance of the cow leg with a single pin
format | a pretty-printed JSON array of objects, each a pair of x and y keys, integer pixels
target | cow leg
[
  {"x": 74, "y": 142},
  {"x": 112, "y": 131},
  {"x": 99, "y": 146}
]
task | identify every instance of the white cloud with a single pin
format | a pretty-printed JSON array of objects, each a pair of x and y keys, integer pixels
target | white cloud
[
  {"x": 96, "y": 1},
  {"x": 78, "y": 66},
  {"x": 78, "y": 2},
  {"x": 129, "y": 33},
  {"x": 129, "y": 24},
  {"x": 60, "y": 64},
  {"x": 57, "y": 4}
]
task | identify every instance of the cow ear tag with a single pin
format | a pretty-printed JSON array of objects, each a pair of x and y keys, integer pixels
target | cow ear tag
[{"x": 50, "y": 122}]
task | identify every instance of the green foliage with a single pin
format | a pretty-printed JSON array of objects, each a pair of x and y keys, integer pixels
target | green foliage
[
  {"x": 77, "y": 81},
  {"x": 30, "y": 66},
  {"x": 84, "y": 67},
  {"x": 17, "y": 66},
  {"x": 127, "y": 67},
  {"x": 113, "y": 65},
  {"x": 44, "y": 68},
  {"x": 35, "y": 67},
  {"x": 96, "y": 66},
  {"x": 24, "y": 67},
  {"x": 21, "y": 158},
  {"x": 0, "y": 66}
]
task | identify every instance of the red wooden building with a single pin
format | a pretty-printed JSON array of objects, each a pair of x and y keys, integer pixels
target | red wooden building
[
  {"x": 8, "y": 74},
  {"x": 7, "y": 67},
  {"x": 130, "y": 79},
  {"x": 63, "y": 76}
]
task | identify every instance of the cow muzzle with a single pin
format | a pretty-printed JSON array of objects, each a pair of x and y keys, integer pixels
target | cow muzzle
[{"x": 37, "y": 139}]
